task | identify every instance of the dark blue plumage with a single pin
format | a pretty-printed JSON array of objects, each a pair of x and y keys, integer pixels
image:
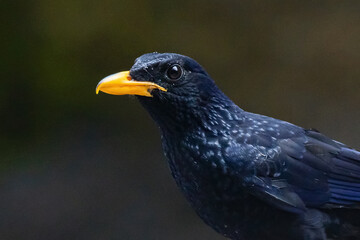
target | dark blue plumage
[{"x": 246, "y": 175}]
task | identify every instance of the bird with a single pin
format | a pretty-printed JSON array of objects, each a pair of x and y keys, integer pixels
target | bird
[{"x": 246, "y": 175}]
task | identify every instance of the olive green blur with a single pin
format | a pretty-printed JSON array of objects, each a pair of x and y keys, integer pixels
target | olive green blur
[{"x": 75, "y": 165}]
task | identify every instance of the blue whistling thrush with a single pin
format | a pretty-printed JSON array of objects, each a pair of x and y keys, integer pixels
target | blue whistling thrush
[{"x": 246, "y": 175}]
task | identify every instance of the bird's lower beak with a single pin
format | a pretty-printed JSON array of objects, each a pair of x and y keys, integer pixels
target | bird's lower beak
[{"x": 122, "y": 84}]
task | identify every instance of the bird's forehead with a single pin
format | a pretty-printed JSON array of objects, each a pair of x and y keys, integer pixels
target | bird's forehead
[{"x": 152, "y": 59}]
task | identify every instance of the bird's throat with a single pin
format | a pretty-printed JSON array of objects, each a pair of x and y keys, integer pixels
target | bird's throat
[{"x": 186, "y": 117}]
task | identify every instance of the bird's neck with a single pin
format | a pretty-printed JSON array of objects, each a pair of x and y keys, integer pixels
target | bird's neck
[{"x": 210, "y": 114}]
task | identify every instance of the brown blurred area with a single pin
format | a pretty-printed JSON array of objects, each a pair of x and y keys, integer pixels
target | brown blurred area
[{"x": 75, "y": 165}]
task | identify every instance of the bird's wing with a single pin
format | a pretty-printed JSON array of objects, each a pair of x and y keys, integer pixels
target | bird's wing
[
  {"x": 342, "y": 172},
  {"x": 306, "y": 169}
]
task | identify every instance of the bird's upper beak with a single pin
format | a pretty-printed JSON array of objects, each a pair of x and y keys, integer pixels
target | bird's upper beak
[{"x": 122, "y": 84}]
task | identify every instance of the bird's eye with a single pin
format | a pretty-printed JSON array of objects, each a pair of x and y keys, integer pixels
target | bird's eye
[{"x": 174, "y": 72}]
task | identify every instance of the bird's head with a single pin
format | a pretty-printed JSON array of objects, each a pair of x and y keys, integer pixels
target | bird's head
[{"x": 172, "y": 87}]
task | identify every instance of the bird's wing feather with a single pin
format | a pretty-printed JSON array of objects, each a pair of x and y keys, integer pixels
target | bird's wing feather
[
  {"x": 342, "y": 171},
  {"x": 344, "y": 181},
  {"x": 307, "y": 169}
]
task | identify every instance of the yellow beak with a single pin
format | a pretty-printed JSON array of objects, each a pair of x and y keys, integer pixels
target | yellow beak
[{"x": 122, "y": 84}]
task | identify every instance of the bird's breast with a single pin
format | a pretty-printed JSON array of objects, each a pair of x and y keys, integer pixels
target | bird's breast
[{"x": 200, "y": 170}]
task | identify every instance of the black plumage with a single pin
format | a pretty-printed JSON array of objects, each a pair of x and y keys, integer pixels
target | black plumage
[{"x": 246, "y": 175}]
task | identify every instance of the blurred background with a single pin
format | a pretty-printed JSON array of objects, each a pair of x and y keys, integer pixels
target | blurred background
[{"x": 75, "y": 165}]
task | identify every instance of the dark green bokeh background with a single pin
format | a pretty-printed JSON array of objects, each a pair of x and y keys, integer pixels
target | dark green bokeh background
[{"x": 76, "y": 165}]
